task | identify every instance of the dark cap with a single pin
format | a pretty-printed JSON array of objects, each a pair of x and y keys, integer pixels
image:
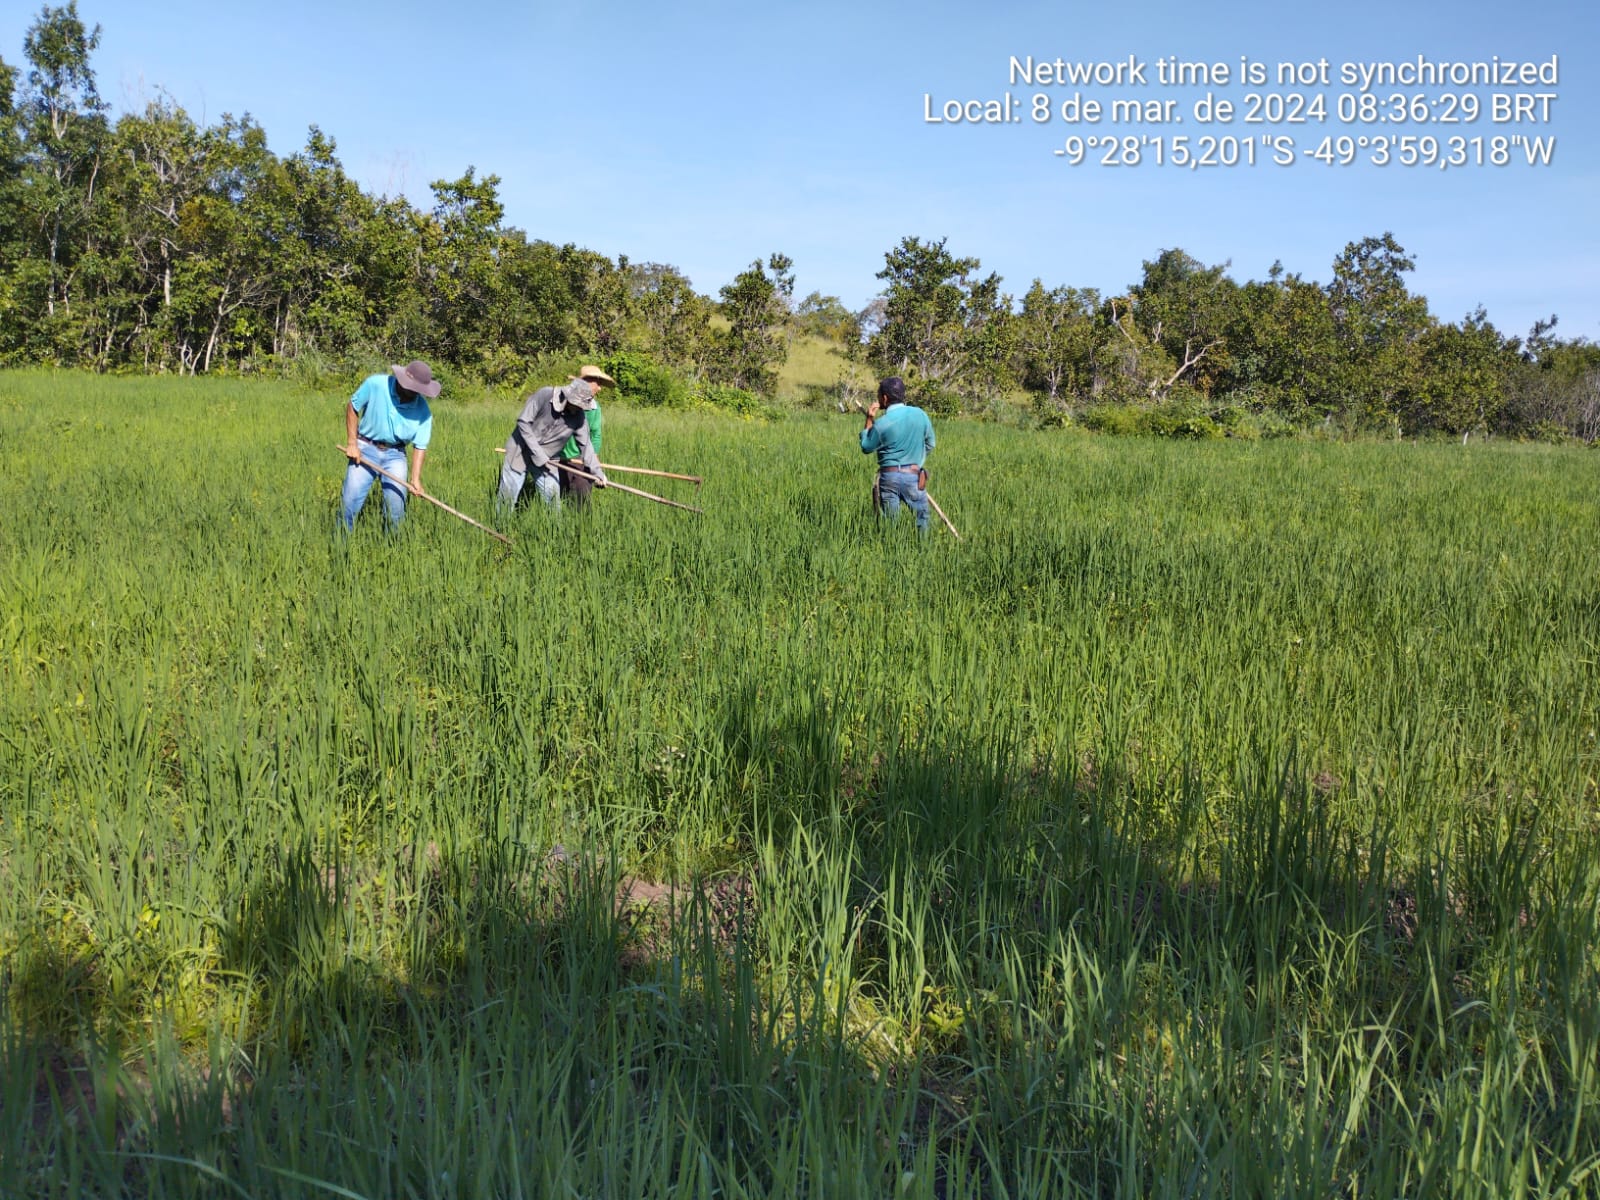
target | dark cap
[
  {"x": 417, "y": 376},
  {"x": 892, "y": 389}
]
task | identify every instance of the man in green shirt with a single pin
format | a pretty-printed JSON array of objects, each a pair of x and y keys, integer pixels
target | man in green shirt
[{"x": 575, "y": 487}]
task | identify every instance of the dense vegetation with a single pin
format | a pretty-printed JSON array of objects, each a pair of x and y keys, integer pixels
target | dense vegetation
[
  {"x": 144, "y": 241},
  {"x": 1213, "y": 819}
]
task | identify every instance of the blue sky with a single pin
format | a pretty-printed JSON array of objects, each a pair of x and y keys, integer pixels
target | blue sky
[{"x": 708, "y": 135}]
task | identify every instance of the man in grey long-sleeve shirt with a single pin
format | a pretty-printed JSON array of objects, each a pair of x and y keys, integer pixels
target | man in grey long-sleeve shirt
[{"x": 550, "y": 416}]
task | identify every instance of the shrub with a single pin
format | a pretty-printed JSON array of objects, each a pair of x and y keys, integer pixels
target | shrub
[
  {"x": 643, "y": 380},
  {"x": 934, "y": 397},
  {"x": 497, "y": 367},
  {"x": 1239, "y": 422},
  {"x": 1230, "y": 417},
  {"x": 1051, "y": 414},
  {"x": 1273, "y": 425},
  {"x": 1018, "y": 413},
  {"x": 1243, "y": 430},
  {"x": 1180, "y": 418},
  {"x": 1119, "y": 420},
  {"x": 1551, "y": 432},
  {"x": 728, "y": 398}
]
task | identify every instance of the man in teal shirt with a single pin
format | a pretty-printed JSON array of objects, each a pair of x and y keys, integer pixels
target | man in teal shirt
[
  {"x": 387, "y": 414},
  {"x": 901, "y": 435}
]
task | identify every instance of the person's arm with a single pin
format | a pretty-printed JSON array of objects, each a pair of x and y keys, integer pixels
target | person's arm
[
  {"x": 420, "y": 440},
  {"x": 352, "y": 445},
  {"x": 871, "y": 438},
  {"x": 535, "y": 453},
  {"x": 927, "y": 433},
  {"x": 594, "y": 429}
]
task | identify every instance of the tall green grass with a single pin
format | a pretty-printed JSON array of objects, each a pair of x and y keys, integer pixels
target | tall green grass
[{"x": 1210, "y": 820}]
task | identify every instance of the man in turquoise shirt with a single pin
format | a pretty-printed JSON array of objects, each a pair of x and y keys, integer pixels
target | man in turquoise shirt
[
  {"x": 387, "y": 414},
  {"x": 901, "y": 435}
]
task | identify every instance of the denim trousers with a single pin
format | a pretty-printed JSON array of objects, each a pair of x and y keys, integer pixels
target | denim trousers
[
  {"x": 544, "y": 482},
  {"x": 900, "y": 487},
  {"x": 358, "y": 481}
]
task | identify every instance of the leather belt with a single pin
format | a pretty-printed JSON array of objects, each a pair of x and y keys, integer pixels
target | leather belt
[
  {"x": 913, "y": 470},
  {"x": 384, "y": 445}
]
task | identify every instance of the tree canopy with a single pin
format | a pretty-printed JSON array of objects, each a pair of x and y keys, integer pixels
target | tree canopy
[{"x": 148, "y": 241}]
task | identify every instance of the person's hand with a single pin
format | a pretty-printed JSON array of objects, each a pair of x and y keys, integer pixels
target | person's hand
[
  {"x": 873, "y": 410},
  {"x": 414, "y": 486},
  {"x": 353, "y": 451}
]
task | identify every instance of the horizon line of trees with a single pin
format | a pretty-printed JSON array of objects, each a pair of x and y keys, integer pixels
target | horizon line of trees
[{"x": 146, "y": 241}]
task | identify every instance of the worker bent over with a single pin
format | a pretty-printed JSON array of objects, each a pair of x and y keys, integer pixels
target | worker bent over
[
  {"x": 550, "y": 417},
  {"x": 387, "y": 414}
]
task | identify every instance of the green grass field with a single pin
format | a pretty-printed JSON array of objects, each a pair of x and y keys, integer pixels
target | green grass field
[
  {"x": 1212, "y": 820},
  {"x": 815, "y": 372}
]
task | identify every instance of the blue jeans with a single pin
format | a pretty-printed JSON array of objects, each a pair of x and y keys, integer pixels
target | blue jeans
[
  {"x": 900, "y": 487},
  {"x": 544, "y": 482},
  {"x": 358, "y": 481}
]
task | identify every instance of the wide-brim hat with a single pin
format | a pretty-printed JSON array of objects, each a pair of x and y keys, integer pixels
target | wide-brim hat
[
  {"x": 417, "y": 376},
  {"x": 596, "y": 375}
]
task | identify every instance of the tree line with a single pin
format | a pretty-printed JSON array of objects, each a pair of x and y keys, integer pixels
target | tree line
[
  {"x": 149, "y": 242},
  {"x": 1187, "y": 350}
]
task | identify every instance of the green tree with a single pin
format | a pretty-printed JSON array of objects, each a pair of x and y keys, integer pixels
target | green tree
[
  {"x": 1380, "y": 326},
  {"x": 396, "y": 278},
  {"x": 827, "y": 317},
  {"x": 674, "y": 319},
  {"x": 1184, "y": 307},
  {"x": 1061, "y": 343},
  {"x": 14, "y": 247},
  {"x": 756, "y": 305},
  {"x": 331, "y": 274},
  {"x": 1555, "y": 389},
  {"x": 535, "y": 314},
  {"x": 559, "y": 299},
  {"x": 1284, "y": 349},
  {"x": 231, "y": 235},
  {"x": 1462, "y": 383},
  {"x": 162, "y": 167},
  {"x": 63, "y": 131},
  {"x": 1135, "y": 361},
  {"x": 461, "y": 277},
  {"x": 941, "y": 321},
  {"x": 600, "y": 301}
]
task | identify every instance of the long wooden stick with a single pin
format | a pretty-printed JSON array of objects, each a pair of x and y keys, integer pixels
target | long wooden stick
[
  {"x": 365, "y": 462},
  {"x": 948, "y": 523},
  {"x": 940, "y": 511},
  {"x": 622, "y": 487},
  {"x": 694, "y": 479}
]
